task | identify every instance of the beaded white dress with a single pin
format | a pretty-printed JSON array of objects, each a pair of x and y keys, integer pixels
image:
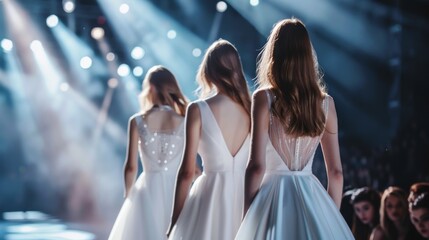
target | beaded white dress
[
  {"x": 213, "y": 208},
  {"x": 291, "y": 202},
  {"x": 146, "y": 213}
]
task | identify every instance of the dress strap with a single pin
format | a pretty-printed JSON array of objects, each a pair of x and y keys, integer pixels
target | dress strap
[
  {"x": 138, "y": 118},
  {"x": 269, "y": 98},
  {"x": 203, "y": 111},
  {"x": 326, "y": 107}
]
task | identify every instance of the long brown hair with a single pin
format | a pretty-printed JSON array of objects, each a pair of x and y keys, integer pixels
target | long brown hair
[
  {"x": 161, "y": 84},
  {"x": 387, "y": 225},
  {"x": 288, "y": 66},
  {"x": 221, "y": 71}
]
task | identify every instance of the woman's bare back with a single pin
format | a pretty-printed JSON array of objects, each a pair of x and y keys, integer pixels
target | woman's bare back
[{"x": 232, "y": 120}]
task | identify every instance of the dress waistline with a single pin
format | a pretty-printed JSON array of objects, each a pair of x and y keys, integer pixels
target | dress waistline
[
  {"x": 288, "y": 172},
  {"x": 222, "y": 171}
]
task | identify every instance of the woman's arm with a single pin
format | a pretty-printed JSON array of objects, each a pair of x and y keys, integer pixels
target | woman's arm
[
  {"x": 187, "y": 168},
  {"x": 258, "y": 140},
  {"x": 331, "y": 154},
  {"x": 131, "y": 163}
]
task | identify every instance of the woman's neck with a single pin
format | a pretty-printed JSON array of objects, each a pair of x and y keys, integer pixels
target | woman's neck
[
  {"x": 161, "y": 106},
  {"x": 400, "y": 227},
  {"x": 156, "y": 102}
]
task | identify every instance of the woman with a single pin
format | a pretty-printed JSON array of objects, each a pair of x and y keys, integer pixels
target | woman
[
  {"x": 419, "y": 213},
  {"x": 291, "y": 114},
  {"x": 394, "y": 217},
  {"x": 366, "y": 205},
  {"x": 217, "y": 127},
  {"x": 157, "y": 133}
]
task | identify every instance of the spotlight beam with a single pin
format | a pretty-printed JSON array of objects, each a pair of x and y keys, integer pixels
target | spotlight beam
[
  {"x": 352, "y": 29},
  {"x": 149, "y": 30}
]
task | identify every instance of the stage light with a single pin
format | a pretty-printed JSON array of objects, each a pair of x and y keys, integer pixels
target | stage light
[
  {"x": 68, "y": 6},
  {"x": 168, "y": 40},
  {"x": 64, "y": 87},
  {"x": 137, "y": 53},
  {"x": 52, "y": 21},
  {"x": 221, "y": 6},
  {"x": 124, "y": 8},
  {"x": 254, "y": 2},
  {"x": 36, "y": 46},
  {"x": 6, "y": 44},
  {"x": 123, "y": 70},
  {"x": 97, "y": 33},
  {"x": 138, "y": 71},
  {"x": 85, "y": 62},
  {"x": 196, "y": 52},
  {"x": 112, "y": 83},
  {"x": 171, "y": 34},
  {"x": 110, "y": 56}
]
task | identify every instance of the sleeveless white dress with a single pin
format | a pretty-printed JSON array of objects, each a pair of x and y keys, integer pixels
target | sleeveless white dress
[
  {"x": 292, "y": 203},
  {"x": 214, "y": 206},
  {"x": 146, "y": 213}
]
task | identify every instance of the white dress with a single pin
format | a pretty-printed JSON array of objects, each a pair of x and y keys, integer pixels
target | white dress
[
  {"x": 292, "y": 203},
  {"x": 213, "y": 208},
  {"x": 146, "y": 213}
]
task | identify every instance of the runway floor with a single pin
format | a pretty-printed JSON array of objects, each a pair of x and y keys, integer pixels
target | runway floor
[{"x": 36, "y": 225}]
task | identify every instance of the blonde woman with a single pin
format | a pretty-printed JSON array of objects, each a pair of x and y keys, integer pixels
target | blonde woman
[
  {"x": 217, "y": 127},
  {"x": 395, "y": 221},
  {"x": 291, "y": 114},
  {"x": 157, "y": 132}
]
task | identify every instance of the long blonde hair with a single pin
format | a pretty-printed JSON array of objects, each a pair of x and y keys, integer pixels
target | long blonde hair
[
  {"x": 159, "y": 83},
  {"x": 386, "y": 224},
  {"x": 221, "y": 71},
  {"x": 288, "y": 66}
]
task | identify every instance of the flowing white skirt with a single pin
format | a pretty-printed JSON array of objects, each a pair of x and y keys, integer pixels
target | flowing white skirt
[
  {"x": 146, "y": 213},
  {"x": 293, "y": 206},
  {"x": 213, "y": 208}
]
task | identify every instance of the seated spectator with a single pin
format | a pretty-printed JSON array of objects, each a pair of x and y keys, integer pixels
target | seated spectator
[
  {"x": 419, "y": 213},
  {"x": 394, "y": 217},
  {"x": 366, "y": 205}
]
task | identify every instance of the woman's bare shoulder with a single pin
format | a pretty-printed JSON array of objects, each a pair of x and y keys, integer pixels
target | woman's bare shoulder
[{"x": 377, "y": 233}]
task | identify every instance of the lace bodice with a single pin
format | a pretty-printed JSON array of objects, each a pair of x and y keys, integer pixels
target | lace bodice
[
  {"x": 296, "y": 153},
  {"x": 160, "y": 149}
]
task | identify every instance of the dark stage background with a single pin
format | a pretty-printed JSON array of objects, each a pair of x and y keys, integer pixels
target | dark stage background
[{"x": 70, "y": 72}]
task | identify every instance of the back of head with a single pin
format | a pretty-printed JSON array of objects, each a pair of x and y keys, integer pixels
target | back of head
[
  {"x": 221, "y": 71},
  {"x": 161, "y": 86},
  {"x": 289, "y": 67}
]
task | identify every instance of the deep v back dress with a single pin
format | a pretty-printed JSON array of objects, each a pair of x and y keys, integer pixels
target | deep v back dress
[{"x": 213, "y": 208}]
